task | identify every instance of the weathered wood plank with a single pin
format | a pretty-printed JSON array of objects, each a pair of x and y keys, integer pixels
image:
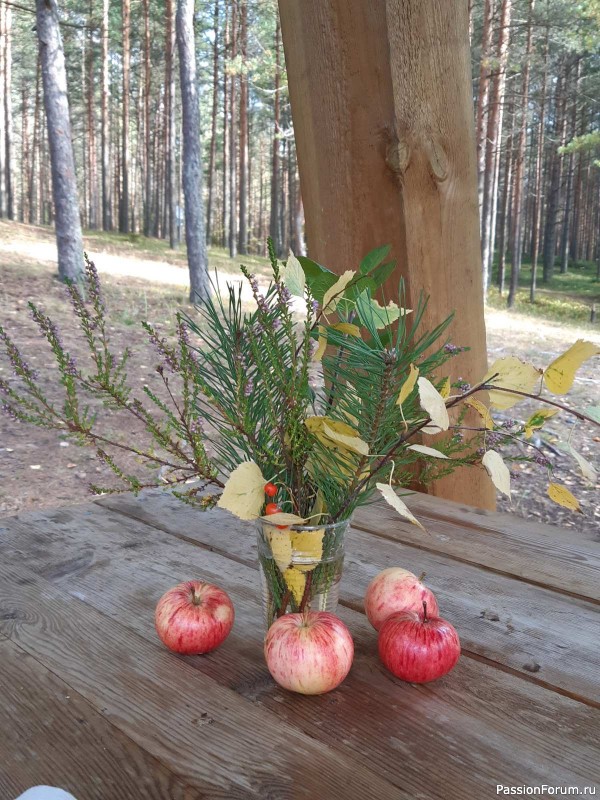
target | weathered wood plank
[
  {"x": 476, "y": 725},
  {"x": 536, "y": 631},
  {"x": 212, "y": 738},
  {"x": 51, "y": 735}
]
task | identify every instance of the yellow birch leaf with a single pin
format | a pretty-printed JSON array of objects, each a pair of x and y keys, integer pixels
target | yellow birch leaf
[
  {"x": 563, "y": 497},
  {"x": 560, "y": 374},
  {"x": 483, "y": 412},
  {"x": 408, "y": 385},
  {"x": 320, "y": 351},
  {"x": 296, "y": 581},
  {"x": 445, "y": 388},
  {"x": 353, "y": 442},
  {"x": 433, "y": 403},
  {"x": 390, "y": 496},
  {"x": 347, "y": 327},
  {"x": 537, "y": 419},
  {"x": 498, "y": 471},
  {"x": 307, "y": 545},
  {"x": 511, "y": 373},
  {"x": 334, "y": 294},
  {"x": 244, "y": 492},
  {"x": 283, "y": 518},
  {"x": 427, "y": 451},
  {"x": 281, "y": 547}
]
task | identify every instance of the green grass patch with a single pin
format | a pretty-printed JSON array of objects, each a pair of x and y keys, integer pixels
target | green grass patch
[{"x": 566, "y": 298}]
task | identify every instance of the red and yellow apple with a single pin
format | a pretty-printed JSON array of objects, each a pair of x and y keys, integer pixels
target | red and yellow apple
[
  {"x": 393, "y": 590},
  {"x": 194, "y": 617},
  {"x": 309, "y": 653},
  {"x": 418, "y": 648}
]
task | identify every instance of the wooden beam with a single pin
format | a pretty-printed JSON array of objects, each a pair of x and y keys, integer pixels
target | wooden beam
[{"x": 383, "y": 118}]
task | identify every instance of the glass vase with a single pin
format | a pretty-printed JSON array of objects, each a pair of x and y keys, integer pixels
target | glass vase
[{"x": 300, "y": 567}]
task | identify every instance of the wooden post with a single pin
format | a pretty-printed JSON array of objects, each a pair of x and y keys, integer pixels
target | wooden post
[{"x": 383, "y": 118}]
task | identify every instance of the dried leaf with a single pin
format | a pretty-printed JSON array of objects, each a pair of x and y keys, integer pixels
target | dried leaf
[
  {"x": 498, "y": 471},
  {"x": 587, "y": 469},
  {"x": 244, "y": 492},
  {"x": 293, "y": 276},
  {"x": 511, "y": 373},
  {"x": 390, "y": 496},
  {"x": 307, "y": 545},
  {"x": 320, "y": 351},
  {"x": 334, "y": 294},
  {"x": 445, "y": 388},
  {"x": 281, "y": 547},
  {"x": 348, "y": 328},
  {"x": 296, "y": 581},
  {"x": 433, "y": 403},
  {"x": 408, "y": 385},
  {"x": 560, "y": 374},
  {"x": 537, "y": 420},
  {"x": 333, "y": 430},
  {"x": 483, "y": 412},
  {"x": 283, "y": 518},
  {"x": 333, "y": 433},
  {"x": 563, "y": 497},
  {"x": 427, "y": 451}
]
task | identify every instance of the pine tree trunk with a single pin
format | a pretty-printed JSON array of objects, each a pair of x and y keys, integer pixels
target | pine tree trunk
[
  {"x": 483, "y": 95},
  {"x": 25, "y": 145},
  {"x": 516, "y": 243},
  {"x": 274, "y": 227},
  {"x": 564, "y": 245},
  {"x": 91, "y": 127},
  {"x": 537, "y": 194},
  {"x": 233, "y": 162},
  {"x": 3, "y": 10},
  {"x": 243, "y": 214},
  {"x": 505, "y": 218},
  {"x": 148, "y": 164},
  {"x": 64, "y": 184},
  {"x": 494, "y": 131},
  {"x": 32, "y": 197},
  {"x": 125, "y": 100},
  {"x": 195, "y": 234},
  {"x": 105, "y": 134},
  {"x": 553, "y": 203},
  {"x": 213, "y": 132},
  {"x": 10, "y": 211},
  {"x": 170, "y": 140},
  {"x": 226, "y": 165}
]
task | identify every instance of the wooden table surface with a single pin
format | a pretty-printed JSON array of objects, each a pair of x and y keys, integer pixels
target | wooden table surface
[{"x": 92, "y": 702}]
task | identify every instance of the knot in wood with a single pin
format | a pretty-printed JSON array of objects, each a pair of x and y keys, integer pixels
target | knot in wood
[
  {"x": 397, "y": 156},
  {"x": 438, "y": 160}
]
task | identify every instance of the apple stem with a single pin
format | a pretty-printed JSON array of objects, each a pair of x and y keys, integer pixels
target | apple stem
[
  {"x": 424, "y": 610},
  {"x": 422, "y": 576}
]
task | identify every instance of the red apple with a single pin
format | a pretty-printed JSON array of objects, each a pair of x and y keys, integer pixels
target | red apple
[
  {"x": 309, "y": 653},
  {"x": 194, "y": 617},
  {"x": 418, "y": 648},
  {"x": 396, "y": 589}
]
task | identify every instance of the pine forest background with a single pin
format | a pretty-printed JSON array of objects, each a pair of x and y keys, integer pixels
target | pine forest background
[{"x": 536, "y": 87}]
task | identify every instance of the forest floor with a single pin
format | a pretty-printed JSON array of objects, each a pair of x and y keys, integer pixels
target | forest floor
[{"x": 143, "y": 279}]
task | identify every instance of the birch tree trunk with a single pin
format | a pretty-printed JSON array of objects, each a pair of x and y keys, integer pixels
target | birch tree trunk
[
  {"x": 195, "y": 234},
  {"x": 64, "y": 184}
]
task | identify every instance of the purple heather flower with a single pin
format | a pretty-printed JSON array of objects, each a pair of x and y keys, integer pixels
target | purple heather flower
[
  {"x": 480, "y": 452},
  {"x": 451, "y": 348},
  {"x": 541, "y": 460},
  {"x": 10, "y": 412},
  {"x": 249, "y": 387},
  {"x": 315, "y": 306},
  {"x": 71, "y": 366}
]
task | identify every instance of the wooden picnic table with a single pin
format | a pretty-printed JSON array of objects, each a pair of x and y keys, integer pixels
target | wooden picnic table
[{"x": 91, "y": 701}]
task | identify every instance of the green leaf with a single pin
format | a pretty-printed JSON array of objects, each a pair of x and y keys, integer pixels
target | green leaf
[
  {"x": 593, "y": 412},
  {"x": 373, "y": 259},
  {"x": 293, "y": 276},
  {"x": 380, "y": 275},
  {"x": 318, "y": 278}
]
